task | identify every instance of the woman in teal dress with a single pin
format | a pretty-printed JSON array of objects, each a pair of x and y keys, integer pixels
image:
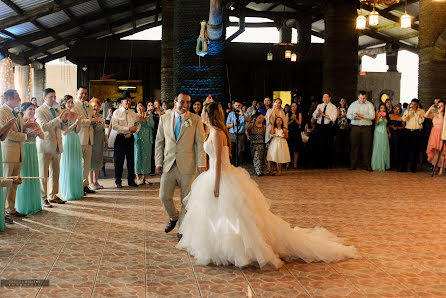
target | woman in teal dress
[
  {"x": 99, "y": 142},
  {"x": 28, "y": 199},
  {"x": 143, "y": 144},
  {"x": 381, "y": 148},
  {"x": 70, "y": 178},
  {"x": 5, "y": 182}
]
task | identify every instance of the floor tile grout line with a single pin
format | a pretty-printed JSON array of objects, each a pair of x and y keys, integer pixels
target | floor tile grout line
[
  {"x": 31, "y": 233},
  {"x": 18, "y": 251},
  {"x": 249, "y": 284},
  {"x": 60, "y": 252},
  {"x": 390, "y": 275},
  {"x": 195, "y": 276},
  {"x": 348, "y": 280},
  {"x": 103, "y": 248},
  {"x": 298, "y": 281}
]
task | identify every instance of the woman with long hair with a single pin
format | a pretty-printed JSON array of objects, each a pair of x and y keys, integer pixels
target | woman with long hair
[
  {"x": 28, "y": 199},
  {"x": 381, "y": 136},
  {"x": 143, "y": 145},
  {"x": 71, "y": 178},
  {"x": 228, "y": 220},
  {"x": 436, "y": 113}
]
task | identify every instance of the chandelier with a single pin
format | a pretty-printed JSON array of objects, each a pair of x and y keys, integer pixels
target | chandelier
[
  {"x": 382, "y": 2},
  {"x": 289, "y": 53},
  {"x": 361, "y": 21}
]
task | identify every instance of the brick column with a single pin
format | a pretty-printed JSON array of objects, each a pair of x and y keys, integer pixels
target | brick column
[
  {"x": 38, "y": 85},
  {"x": 167, "y": 43},
  {"x": 340, "y": 69},
  {"x": 199, "y": 76},
  {"x": 21, "y": 81},
  {"x": 432, "y": 66}
]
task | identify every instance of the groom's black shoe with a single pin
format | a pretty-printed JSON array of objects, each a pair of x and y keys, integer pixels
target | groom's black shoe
[
  {"x": 170, "y": 226},
  {"x": 133, "y": 184},
  {"x": 179, "y": 236},
  {"x": 87, "y": 190}
]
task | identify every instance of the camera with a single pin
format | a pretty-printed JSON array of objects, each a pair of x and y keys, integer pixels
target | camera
[
  {"x": 437, "y": 106},
  {"x": 237, "y": 111}
]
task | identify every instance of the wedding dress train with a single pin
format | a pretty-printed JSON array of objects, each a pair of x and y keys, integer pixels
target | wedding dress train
[{"x": 238, "y": 227}]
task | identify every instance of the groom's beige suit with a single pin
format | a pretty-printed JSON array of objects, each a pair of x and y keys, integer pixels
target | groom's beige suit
[
  {"x": 179, "y": 158},
  {"x": 49, "y": 149}
]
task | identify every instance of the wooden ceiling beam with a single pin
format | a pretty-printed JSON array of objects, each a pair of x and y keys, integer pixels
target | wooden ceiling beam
[
  {"x": 90, "y": 32},
  {"x": 39, "y": 11},
  {"x": 68, "y": 25}
]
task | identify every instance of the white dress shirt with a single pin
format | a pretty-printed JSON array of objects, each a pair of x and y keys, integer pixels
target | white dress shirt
[
  {"x": 331, "y": 111},
  {"x": 175, "y": 120},
  {"x": 123, "y": 119}
]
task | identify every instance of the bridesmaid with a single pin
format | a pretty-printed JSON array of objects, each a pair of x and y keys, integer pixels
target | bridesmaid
[
  {"x": 5, "y": 182},
  {"x": 28, "y": 199},
  {"x": 154, "y": 109},
  {"x": 99, "y": 145},
  {"x": 436, "y": 113},
  {"x": 381, "y": 149},
  {"x": 396, "y": 126},
  {"x": 71, "y": 178},
  {"x": 143, "y": 144}
]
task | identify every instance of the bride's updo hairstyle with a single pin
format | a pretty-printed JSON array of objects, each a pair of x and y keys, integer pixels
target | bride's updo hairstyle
[{"x": 216, "y": 118}]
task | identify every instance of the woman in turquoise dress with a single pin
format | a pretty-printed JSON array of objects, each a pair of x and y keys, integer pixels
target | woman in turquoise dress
[
  {"x": 70, "y": 178},
  {"x": 143, "y": 144},
  {"x": 99, "y": 145},
  {"x": 381, "y": 148},
  {"x": 5, "y": 182},
  {"x": 28, "y": 199}
]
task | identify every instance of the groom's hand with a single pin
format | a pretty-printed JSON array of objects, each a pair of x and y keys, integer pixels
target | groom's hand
[
  {"x": 201, "y": 170},
  {"x": 159, "y": 170}
]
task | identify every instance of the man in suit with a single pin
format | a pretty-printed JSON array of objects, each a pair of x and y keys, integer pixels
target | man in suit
[
  {"x": 178, "y": 151},
  {"x": 125, "y": 123},
  {"x": 50, "y": 148},
  {"x": 86, "y": 133},
  {"x": 12, "y": 147}
]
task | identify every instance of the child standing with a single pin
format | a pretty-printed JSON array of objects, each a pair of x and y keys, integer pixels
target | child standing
[
  {"x": 256, "y": 135},
  {"x": 278, "y": 151}
]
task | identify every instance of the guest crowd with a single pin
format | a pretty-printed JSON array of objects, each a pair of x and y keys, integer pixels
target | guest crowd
[{"x": 51, "y": 155}]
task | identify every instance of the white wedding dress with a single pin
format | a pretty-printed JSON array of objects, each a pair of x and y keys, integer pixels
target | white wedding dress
[{"x": 238, "y": 227}]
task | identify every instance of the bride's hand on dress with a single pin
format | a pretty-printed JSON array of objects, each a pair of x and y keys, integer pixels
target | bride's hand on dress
[{"x": 216, "y": 191}]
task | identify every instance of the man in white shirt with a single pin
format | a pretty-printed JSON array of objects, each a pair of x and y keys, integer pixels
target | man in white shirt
[
  {"x": 361, "y": 113},
  {"x": 252, "y": 109},
  {"x": 325, "y": 116},
  {"x": 125, "y": 122}
]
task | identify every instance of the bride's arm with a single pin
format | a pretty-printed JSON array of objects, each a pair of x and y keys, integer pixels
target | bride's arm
[{"x": 218, "y": 146}]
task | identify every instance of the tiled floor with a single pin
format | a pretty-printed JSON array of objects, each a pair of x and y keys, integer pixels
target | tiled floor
[{"x": 113, "y": 244}]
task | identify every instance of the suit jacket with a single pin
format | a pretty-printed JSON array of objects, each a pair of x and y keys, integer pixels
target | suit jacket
[
  {"x": 187, "y": 151},
  {"x": 86, "y": 133},
  {"x": 12, "y": 146},
  {"x": 51, "y": 128}
]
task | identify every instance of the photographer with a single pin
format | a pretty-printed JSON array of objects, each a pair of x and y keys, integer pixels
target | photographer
[
  {"x": 236, "y": 123},
  {"x": 414, "y": 118}
]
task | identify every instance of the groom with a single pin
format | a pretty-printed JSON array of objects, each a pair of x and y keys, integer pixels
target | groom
[{"x": 178, "y": 152}]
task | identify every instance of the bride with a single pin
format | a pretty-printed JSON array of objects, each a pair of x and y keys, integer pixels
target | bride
[{"x": 228, "y": 220}]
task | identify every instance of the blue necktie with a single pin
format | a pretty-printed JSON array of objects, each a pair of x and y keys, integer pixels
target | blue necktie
[
  {"x": 178, "y": 128},
  {"x": 18, "y": 121},
  {"x": 52, "y": 112},
  {"x": 85, "y": 109}
]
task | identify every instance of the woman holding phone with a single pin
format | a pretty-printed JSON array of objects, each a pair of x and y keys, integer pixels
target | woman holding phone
[{"x": 381, "y": 136}]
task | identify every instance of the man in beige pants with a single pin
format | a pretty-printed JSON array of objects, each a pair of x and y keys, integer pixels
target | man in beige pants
[
  {"x": 86, "y": 133},
  {"x": 178, "y": 152},
  {"x": 50, "y": 147},
  {"x": 12, "y": 147}
]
